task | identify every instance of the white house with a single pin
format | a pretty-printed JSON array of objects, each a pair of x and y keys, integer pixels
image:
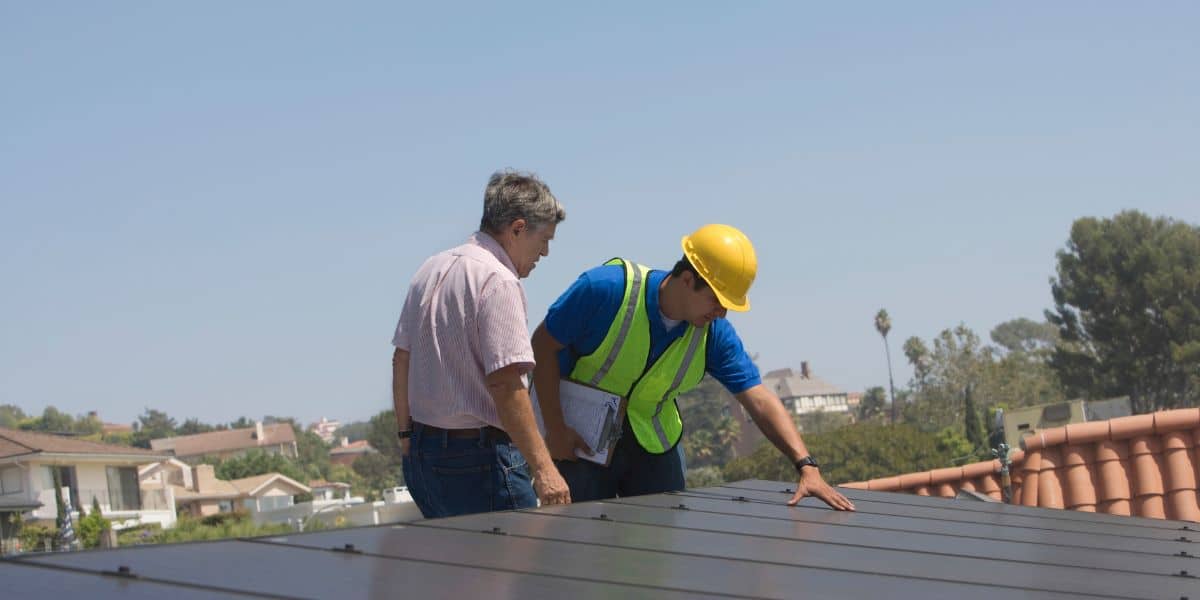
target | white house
[
  {"x": 805, "y": 393},
  {"x": 88, "y": 472}
]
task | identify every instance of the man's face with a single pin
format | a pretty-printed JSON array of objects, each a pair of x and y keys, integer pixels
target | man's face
[
  {"x": 531, "y": 245},
  {"x": 701, "y": 306}
]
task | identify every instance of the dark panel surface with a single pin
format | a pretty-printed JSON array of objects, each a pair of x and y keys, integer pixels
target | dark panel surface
[
  {"x": 1112, "y": 559},
  {"x": 817, "y": 512},
  {"x": 966, "y": 505},
  {"x": 1041, "y": 521},
  {"x": 27, "y": 581},
  {"x": 303, "y": 572},
  {"x": 947, "y": 565},
  {"x": 681, "y": 571}
]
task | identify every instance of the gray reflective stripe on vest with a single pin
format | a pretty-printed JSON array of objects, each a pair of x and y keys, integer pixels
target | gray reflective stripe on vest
[
  {"x": 679, "y": 375},
  {"x": 635, "y": 296}
]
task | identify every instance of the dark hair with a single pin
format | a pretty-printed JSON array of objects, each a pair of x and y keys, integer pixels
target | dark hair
[{"x": 685, "y": 266}]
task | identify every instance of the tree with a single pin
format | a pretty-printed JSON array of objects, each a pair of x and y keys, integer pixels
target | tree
[
  {"x": 1023, "y": 336},
  {"x": 193, "y": 426},
  {"x": 1127, "y": 306},
  {"x": 378, "y": 472},
  {"x": 257, "y": 462},
  {"x": 710, "y": 431},
  {"x": 973, "y": 427},
  {"x": 874, "y": 402},
  {"x": 383, "y": 436},
  {"x": 856, "y": 453},
  {"x": 883, "y": 324},
  {"x": 917, "y": 354},
  {"x": 358, "y": 430},
  {"x": 152, "y": 425},
  {"x": 11, "y": 416}
]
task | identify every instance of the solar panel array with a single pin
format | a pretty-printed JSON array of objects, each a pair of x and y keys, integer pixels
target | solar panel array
[{"x": 737, "y": 540}]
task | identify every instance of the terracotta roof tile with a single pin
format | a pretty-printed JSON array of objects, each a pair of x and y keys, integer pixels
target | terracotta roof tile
[{"x": 1143, "y": 465}]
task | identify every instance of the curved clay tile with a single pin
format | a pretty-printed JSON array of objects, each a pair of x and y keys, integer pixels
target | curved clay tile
[
  {"x": 1173, "y": 420},
  {"x": 1080, "y": 492},
  {"x": 1087, "y": 433},
  {"x": 912, "y": 480},
  {"x": 1050, "y": 493},
  {"x": 921, "y": 490},
  {"x": 884, "y": 484},
  {"x": 1126, "y": 427},
  {"x": 990, "y": 485},
  {"x": 979, "y": 469},
  {"x": 1180, "y": 476},
  {"x": 1112, "y": 471},
  {"x": 1030, "y": 468},
  {"x": 1147, "y": 476}
]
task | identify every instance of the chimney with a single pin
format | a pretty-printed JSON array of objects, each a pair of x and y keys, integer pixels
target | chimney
[
  {"x": 345, "y": 442},
  {"x": 804, "y": 374},
  {"x": 204, "y": 477},
  {"x": 258, "y": 432}
]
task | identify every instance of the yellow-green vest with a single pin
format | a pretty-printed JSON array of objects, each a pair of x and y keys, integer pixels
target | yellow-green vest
[{"x": 619, "y": 366}]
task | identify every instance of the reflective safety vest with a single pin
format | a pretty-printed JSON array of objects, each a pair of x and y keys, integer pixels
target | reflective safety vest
[{"x": 619, "y": 366}]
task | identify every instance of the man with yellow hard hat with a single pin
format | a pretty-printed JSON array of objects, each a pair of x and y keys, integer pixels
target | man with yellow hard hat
[{"x": 648, "y": 336}]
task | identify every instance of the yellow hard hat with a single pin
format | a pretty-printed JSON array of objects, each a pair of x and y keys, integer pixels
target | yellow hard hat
[{"x": 724, "y": 257}]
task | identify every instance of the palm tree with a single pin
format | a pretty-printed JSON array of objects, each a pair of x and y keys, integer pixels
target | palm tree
[{"x": 883, "y": 324}]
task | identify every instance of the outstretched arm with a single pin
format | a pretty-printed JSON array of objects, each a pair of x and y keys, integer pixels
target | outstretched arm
[{"x": 774, "y": 421}]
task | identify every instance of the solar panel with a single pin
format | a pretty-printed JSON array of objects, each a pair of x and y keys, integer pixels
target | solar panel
[{"x": 738, "y": 540}]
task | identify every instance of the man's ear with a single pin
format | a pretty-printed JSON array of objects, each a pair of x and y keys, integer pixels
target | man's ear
[{"x": 519, "y": 226}]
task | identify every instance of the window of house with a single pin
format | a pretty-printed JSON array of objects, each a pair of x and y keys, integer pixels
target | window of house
[
  {"x": 274, "y": 502},
  {"x": 10, "y": 480},
  {"x": 123, "y": 491},
  {"x": 225, "y": 506}
]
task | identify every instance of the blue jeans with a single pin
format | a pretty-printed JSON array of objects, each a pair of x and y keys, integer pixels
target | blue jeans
[
  {"x": 457, "y": 476},
  {"x": 632, "y": 472}
]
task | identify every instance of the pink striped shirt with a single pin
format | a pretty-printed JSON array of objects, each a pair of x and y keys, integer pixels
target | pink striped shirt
[{"x": 464, "y": 317}]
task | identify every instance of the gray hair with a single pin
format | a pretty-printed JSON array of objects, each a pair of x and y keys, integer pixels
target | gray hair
[{"x": 512, "y": 195}]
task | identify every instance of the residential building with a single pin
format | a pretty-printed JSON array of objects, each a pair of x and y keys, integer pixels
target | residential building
[
  {"x": 325, "y": 429},
  {"x": 347, "y": 452},
  {"x": 1141, "y": 465},
  {"x": 197, "y": 490},
  {"x": 276, "y": 438},
  {"x": 88, "y": 472},
  {"x": 805, "y": 393},
  {"x": 1019, "y": 423}
]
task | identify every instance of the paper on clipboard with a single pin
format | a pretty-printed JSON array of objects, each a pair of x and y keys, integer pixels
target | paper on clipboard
[{"x": 595, "y": 414}]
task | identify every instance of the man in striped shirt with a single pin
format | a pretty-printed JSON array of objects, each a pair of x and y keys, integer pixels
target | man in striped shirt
[{"x": 468, "y": 435}]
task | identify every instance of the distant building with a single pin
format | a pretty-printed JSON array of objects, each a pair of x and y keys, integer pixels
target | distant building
[
  {"x": 804, "y": 392},
  {"x": 198, "y": 492},
  {"x": 88, "y": 472},
  {"x": 276, "y": 438},
  {"x": 325, "y": 429},
  {"x": 347, "y": 452}
]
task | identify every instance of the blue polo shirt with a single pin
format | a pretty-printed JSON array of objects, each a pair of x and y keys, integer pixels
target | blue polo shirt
[{"x": 581, "y": 317}]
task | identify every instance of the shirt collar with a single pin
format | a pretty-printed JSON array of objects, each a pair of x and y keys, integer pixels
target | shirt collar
[{"x": 489, "y": 243}]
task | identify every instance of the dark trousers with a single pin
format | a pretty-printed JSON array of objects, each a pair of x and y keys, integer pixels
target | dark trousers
[
  {"x": 632, "y": 472},
  {"x": 450, "y": 476}
]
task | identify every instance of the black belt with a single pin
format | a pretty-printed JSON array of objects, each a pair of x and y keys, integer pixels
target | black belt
[{"x": 487, "y": 433}]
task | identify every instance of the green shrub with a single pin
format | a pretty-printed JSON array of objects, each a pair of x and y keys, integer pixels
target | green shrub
[{"x": 34, "y": 535}]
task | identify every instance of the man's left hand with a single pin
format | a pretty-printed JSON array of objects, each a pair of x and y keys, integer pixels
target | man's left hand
[{"x": 812, "y": 484}]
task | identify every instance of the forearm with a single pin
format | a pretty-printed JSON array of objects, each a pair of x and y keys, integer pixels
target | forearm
[
  {"x": 400, "y": 387},
  {"x": 516, "y": 417},
  {"x": 773, "y": 419},
  {"x": 546, "y": 376}
]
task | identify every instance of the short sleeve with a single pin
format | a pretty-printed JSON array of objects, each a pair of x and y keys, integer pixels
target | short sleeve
[
  {"x": 402, "y": 338},
  {"x": 503, "y": 327},
  {"x": 589, "y": 303},
  {"x": 726, "y": 359}
]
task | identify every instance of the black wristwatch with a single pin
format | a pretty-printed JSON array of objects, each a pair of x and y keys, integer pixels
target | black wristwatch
[
  {"x": 404, "y": 435},
  {"x": 807, "y": 461}
]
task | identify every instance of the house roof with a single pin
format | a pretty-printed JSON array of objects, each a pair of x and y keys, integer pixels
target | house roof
[
  {"x": 214, "y": 442},
  {"x": 14, "y": 442},
  {"x": 359, "y": 447},
  {"x": 737, "y": 540},
  {"x": 321, "y": 483},
  {"x": 788, "y": 384},
  {"x": 1143, "y": 465},
  {"x": 247, "y": 487}
]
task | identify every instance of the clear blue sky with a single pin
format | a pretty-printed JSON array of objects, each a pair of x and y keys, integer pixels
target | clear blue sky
[{"x": 214, "y": 209}]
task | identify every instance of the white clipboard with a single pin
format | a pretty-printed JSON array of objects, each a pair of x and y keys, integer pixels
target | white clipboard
[{"x": 595, "y": 414}]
